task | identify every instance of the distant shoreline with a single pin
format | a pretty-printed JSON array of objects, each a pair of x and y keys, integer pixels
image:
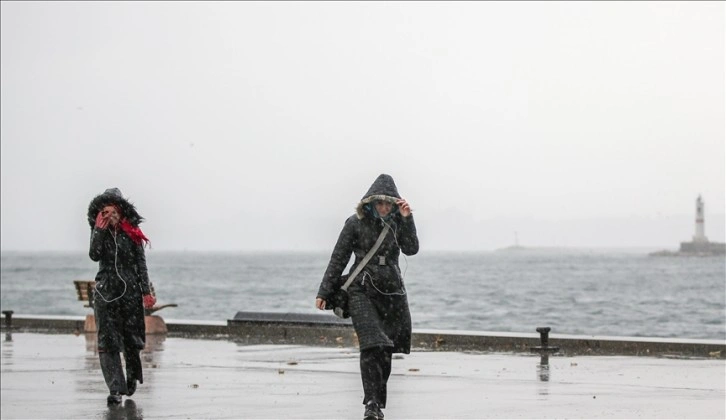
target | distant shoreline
[{"x": 563, "y": 249}]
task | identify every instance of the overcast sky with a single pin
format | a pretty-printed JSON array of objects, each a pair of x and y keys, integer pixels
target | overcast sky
[{"x": 259, "y": 126}]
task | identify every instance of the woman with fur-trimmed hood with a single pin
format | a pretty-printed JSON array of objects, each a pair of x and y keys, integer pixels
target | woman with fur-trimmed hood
[
  {"x": 122, "y": 289},
  {"x": 377, "y": 298}
]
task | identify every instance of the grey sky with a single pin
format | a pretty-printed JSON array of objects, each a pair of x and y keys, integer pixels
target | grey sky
[{"x": 258, "y": 126}]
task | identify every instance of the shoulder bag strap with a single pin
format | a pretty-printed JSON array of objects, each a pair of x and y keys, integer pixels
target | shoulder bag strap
[{"x": 367, "y": 258}]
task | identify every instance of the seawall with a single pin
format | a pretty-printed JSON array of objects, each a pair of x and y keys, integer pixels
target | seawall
[{"x": 327, "y": 330}]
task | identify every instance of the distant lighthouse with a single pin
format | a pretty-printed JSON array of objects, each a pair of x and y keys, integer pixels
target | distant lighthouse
[
  {"x": 700, "y": 235},
  {"x": 699, "y": 246}
]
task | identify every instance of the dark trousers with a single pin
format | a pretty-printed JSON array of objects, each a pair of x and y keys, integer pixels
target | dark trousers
[
  {"x": 375, "y": 368},
  {"x": 113, "y": 371}
]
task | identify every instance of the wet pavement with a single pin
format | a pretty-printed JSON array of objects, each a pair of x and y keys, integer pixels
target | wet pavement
[{"x": 50, "y": 376}]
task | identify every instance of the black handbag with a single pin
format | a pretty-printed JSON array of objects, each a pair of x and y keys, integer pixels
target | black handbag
[{"x": 338, "y": 300}]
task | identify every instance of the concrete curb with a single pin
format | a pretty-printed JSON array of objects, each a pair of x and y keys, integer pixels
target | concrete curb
[{"x": 275, "y": 328}]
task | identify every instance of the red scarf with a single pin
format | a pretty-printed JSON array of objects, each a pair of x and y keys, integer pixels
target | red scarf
[{"x": 134, "y": 232}]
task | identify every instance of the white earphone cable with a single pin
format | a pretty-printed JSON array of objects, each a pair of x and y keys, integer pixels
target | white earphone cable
[
  {"x": 403, "y": 289},
  {"x": 115, "y": 264}
]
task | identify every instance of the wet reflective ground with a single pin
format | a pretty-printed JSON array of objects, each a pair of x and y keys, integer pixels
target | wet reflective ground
[{"x": 58, "y": 376}]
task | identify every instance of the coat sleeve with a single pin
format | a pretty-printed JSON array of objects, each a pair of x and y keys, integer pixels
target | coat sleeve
[
  {"x": 339, "y": 259},
  {"x": 96, "y": 248},
  {"x": 142, "y": 271},
  {"x": 407, "y": 237}
]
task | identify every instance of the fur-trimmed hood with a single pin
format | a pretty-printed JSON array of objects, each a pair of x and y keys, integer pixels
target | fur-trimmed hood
[
  {"x": 113, "y": 196},
  {"x": 383, "y": 188}
]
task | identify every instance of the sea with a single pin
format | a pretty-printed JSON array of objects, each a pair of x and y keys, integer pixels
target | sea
[{"x": 582, "y": 292}]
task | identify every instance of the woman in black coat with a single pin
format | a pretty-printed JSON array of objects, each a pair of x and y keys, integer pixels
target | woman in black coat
[
  {"x": 122, "y": 289},
  {"x": 377, "y": 296}
]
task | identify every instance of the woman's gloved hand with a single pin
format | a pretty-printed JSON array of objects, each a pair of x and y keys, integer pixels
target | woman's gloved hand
[
  {"x": 149, "y": 301},
  {"x": 101, "y": 221}
]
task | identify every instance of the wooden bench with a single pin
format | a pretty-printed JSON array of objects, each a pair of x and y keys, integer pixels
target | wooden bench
[
  {"x": 84, "y": 289},
  {"x": 154, "y": 323}
]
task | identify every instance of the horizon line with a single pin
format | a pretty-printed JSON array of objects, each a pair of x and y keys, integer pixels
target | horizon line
[{"x": 288, "y": 250}]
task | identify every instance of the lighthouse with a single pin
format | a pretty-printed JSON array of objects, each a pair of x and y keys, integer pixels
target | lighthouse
[
  {"x": 700, "y": 235},
  {"x": 699, "y": 246}
]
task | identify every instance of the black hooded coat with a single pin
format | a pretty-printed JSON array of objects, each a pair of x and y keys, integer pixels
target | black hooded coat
[
  {"x": 377, "y": 299},
  {"x": 121, "y": 281}
]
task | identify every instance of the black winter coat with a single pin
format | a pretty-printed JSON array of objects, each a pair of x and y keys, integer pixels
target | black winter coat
[
  {"x": 377, "y": 296},
  {"x": 121, "y": 281}
]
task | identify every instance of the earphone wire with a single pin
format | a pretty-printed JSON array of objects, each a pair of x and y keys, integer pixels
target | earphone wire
[
  {"x": 393, "y": 230},
  {"x": 403, "y": 288},
  {"x": 115, "y": 265}
]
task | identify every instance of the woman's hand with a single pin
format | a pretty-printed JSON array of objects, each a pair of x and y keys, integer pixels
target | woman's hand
[
  {"x": 403, "y": 207},
  {"x": 320, "y": 303},
  {"x": 149, "y": 301},
  {"x": 101, "y": 221}
]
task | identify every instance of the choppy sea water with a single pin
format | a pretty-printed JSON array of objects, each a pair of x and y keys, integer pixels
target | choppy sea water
[{"x": 574, "y": 292}]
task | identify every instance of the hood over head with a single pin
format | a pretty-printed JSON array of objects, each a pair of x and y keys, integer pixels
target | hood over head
[
  {"x": 113, "y": 196},
  {"x": 383, "y": 188}
]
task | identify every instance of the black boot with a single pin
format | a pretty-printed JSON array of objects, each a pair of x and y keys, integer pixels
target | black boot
[
  {"x": 373, "y": 411},
  {"x": 133, "y": 370},
  {"x": 113, "y": 375},
  {"x": 375, "y": 369},
  {"x": 130, "y": 386},
  {"x": 114, "y": 398}
]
